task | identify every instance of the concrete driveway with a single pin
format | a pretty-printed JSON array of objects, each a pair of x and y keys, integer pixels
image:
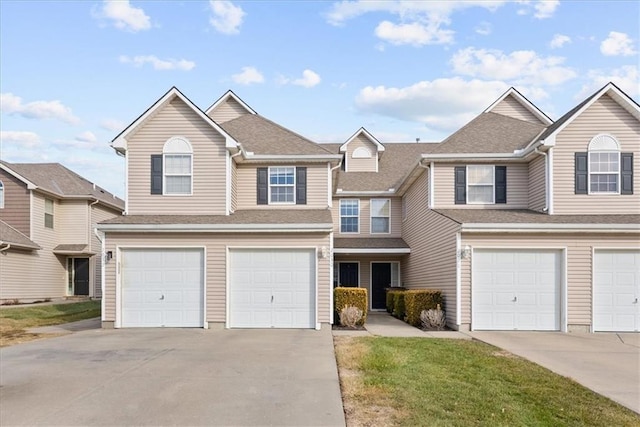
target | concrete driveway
[
  {"x": 607, "y": 363},
  {"x": 172, "y": 377}
]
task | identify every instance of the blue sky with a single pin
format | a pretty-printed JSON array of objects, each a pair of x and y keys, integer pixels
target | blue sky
[{"x": 73, "y": 74}]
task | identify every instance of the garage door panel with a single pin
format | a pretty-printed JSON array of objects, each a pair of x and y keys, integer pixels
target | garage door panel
[{"x": 616, "y": 289}]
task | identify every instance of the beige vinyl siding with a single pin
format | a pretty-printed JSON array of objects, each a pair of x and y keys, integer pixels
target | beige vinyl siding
[
  {"x": 537, "y": 184},
  {"x": 317, "y": 188},
  {"x": 16, "y": 203},
  {"x": 16, "y": 275},
  {"x": 513, "y": 108},
  {"x": 579, "y": 249},
  {"x": 361, "y": 165},
  {"x": 209, "y": 164},
  {"x": 604, "y": 116},
  {"x": 432, "y": 239},
  {"x": 234, "y": 185},
  {"x": 215, "y": 249},
  {"x": 517, "y": 187},
  {"x": 98, "y": 213},
  {"x": 365, "y": 218},
  {"x": 365, "y": 261},
  {"x": 73, "y": 221},
  {"x": 230, "y": 109}
]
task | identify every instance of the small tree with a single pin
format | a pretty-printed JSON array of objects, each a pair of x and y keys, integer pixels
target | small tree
[{"x": 433, "y": 319}]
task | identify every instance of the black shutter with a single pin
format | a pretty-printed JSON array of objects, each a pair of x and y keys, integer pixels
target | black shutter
[
  {"x": 501, "y": 184},
  {"x": 156, "y": 174},
  {"x": 263, "y": 186},
  {"x": 461, "y": 185},
  {"x": 301, "y": 186},
  {"x": 581, "y": 173},
  {"x": 626, "y": 173}
]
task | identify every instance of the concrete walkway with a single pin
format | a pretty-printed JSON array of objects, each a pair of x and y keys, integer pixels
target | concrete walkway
[{"x": 382, "y": 324}]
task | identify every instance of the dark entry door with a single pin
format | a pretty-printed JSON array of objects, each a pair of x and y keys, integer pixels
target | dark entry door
[
  {"x": 81, "y": 276},
  {"x": 349, "y": 274},
  {"x": 380, "y": 279}
]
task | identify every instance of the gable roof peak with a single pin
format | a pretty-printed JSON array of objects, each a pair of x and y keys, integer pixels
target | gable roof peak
[
  {"x": 522, "y": 100},
  {"x": 230, "y": 94},
  {"x": 368, "y": 135}
]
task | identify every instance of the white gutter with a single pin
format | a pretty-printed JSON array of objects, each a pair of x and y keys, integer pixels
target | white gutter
[
  {"x": 216, "y": 228},
  {"x": 550, "y": 228},
  {"x": 372, "y": 251},
  {"x": 546, "y": 178},
  {"x": 250, "y": 156},
  {"x": 366, "y": 193},
  {"x": 6, "y": 248}
]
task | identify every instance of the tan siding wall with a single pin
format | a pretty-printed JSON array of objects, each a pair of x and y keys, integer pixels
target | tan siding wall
[
  {"x": 365, "y": 218},
  {"x": 16, "y": 203},
  {"x": 361, "y": 165},
  {"x": 209, "y": 170},
  {"x": 234, "y": 185},
  {"x": 16, "y": 271},
  {"x": 512, "y": 108},
  {"x": 73, "y": 221},
  {"x": 228, "y": 110},
  {"x": 216, "y": 264},
  {"x": 537, "y": 184},
  {"x": 98, "y": 213},
  {"x": 604, "y": 116},
  {"x": 317, "y": 188},
  {"x": 432, "y": 239},
  {"x": 517, "y": 187},
  {"x": 579, "y": 264}
]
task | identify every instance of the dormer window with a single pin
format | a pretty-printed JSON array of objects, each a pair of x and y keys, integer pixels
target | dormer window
[
  {"x": 604, "y": 165},
  {"x": 177, "y": 166},
  {"x": 361, "y": 153}
]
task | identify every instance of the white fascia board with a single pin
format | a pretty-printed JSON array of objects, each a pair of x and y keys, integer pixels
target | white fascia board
[
  {"x": 388, "y": 192},
  {"x": 215, "y": 228},
  {"x": 30, "y": 185},
  {"x": 550, "y": 228},
  {"x": 371, "y": 251},
  {"x": 367, "y": 134},
  {"x": 260, "y": 158},
  {"x": 473, "y": 156},
  {"x": 227, "y": 95}
]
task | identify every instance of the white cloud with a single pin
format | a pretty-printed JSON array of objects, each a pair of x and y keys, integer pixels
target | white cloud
[
  {"x": 626, "y": 78},
  {"x": 309, "y": 79},
  {"x": 21, "y": 139},
  {"x": 12, "y": 104},
  {"x": 247, "y": 76},
  {"x": 415, "y": 34},
  {"x": 483, "y": 28},
  {"x": 124, "y": 16},
  {"x": 86, "y": 136},
  {"x": 441, "y": 104},
  {"x": 520, "y": 67},
  {"x": 157, "y": 63},
  {"x": 545, "y": 8},
  {"x": 559, "y": 40},
  {"x": 617, "y": 44},
  {"x": 112, "y": 125},
  {"x": 227, "y": 17}
]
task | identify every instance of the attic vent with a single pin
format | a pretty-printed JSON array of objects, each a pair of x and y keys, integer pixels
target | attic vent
[
  {"x": 361, "y": 153},
  {"x": 604, "y": 142}
]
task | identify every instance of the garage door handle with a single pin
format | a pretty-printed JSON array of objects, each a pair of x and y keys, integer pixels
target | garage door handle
[
  {"x": 272, "y": 298},
  {"x": 515, "y": 299},
  {"x": 162, "y": 297},
  {"x": 635, "y": 301}
]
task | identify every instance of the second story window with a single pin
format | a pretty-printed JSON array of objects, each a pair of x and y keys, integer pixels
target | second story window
[
  {"x": 48, "y": 213},
  {"x": 380, "y": 216},
  {"x": 480, "y": 184},
  {"x": 349, "y": 215},
  {"x": 604, "y": 165},
  {"x": 176, "y": 169},
  {"x": 282, "y": 184}
]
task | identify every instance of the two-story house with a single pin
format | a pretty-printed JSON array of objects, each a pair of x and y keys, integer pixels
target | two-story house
[
  {"x": 48, "y": 249},
  {"x": 522, "y": 222}
]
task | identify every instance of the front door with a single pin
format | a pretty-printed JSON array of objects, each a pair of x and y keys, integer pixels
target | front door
[
  {"x": 349, "y": 274},
  {"x": 380, "y": 279},
  {"x": 81, "y": 276}
]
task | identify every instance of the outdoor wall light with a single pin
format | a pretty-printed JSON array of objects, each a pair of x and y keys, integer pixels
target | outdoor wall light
[
  {"x": 466, "y": 252},
  {"x": 108, "y": 256},
  {"x": 324, "y": 252}
]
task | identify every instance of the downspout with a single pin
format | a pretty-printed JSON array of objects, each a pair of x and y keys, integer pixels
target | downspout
[
  {"x": 428, "y": 168},
  {"x": 331, "y": 259},
  {"x": 101, "y": 238},
  {"x": 229, "y": 177},
  {"x": 89, "y": 239},
  {"x": 546, "y": 179}
]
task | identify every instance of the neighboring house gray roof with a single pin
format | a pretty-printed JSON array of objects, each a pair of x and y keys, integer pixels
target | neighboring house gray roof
[
  {"x": 523, "y": 216},
  {"x": 267, "y": 216},
  {"x": 262, "y": 136},
  {"x": 9, "y": 235},
  {"x": 394, "y": 164},
  {"x": 369, "y": 243},
  {"x": 57, "y": 179},
  {"x": 491, "y": 133}
]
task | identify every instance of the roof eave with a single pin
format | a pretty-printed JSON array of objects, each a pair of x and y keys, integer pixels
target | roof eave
[
  {"x": 371, "y": 250},
  {"x": 549, "y": 228},
  {"x": 216, "y": 228}
]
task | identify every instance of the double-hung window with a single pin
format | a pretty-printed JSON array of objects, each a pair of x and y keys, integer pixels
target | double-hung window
[
  {"x": 48, "y": 213},
  {"x": 178, "y": 166},
  {"x": 480, "y": 182},
  {"x": 380, "y": 216},
  {"x": 349, "y": 215},
  {"x": 604, "y": 165},
  {"x": 282, "y": 184}
]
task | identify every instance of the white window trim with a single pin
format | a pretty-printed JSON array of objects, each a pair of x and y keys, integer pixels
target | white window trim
[
  {"x": 371, "y": 217},
  {"x": 282, "y": 185},
  {"x": 589, "y": 173},
  {"x": 361, "y": 153},
  {"x": 2, "y": 189},
  {"x": 165, "y": 153},
  {"x": 493, "y": 185},
  {"x": 340, "y": 215},
  {"x": 52, "y": 213}
]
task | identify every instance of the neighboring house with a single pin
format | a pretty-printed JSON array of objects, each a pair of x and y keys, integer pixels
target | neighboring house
[
  {"x": 233, "y": 221},
  {"x": 48, "y": 248}
]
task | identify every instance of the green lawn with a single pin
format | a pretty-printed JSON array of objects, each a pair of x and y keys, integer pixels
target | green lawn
[
  {"x": 426, "y": 382},
  {"x": 15, "y": 321}
]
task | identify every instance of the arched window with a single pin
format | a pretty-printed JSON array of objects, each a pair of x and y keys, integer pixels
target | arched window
[
  {"x": 178, "y": 166},
  {"x": 361, "y": 153},
  {"x": 1, "y": 195},
  {"x": 604, "y": 164}
]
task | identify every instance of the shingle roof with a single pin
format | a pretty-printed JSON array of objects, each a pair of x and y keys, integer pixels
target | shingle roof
[
  {"x": 369, "y": 243},
  {"x": 10, "y": 235},
  {"x": 523, "y": 216},
  {"x": 394, "y": 164},
  {"x": 68, "y": 249},
  {"x": 266, "y": 216},
  {"x": 491, "y": 133},
  {"x": 57, "y": 179},
  {"x": 262, "y": 136}
]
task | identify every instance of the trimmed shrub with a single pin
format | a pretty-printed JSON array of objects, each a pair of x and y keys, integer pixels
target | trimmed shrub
[
  {"x": 390, "y": 300},
  {"x": 417, "y": 300},
  {"x": 399, "y": 304},
  {"x": 351, "y": 297},
  {"x": 350, "y": 316}
]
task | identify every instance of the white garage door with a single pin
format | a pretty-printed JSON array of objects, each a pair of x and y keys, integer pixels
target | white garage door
[
  {"x": 272, "y": 288},
  {"x": 516, "y": 289},
  {"x": 162, "y": 287},
  {"x": 616, "y": 290}
]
